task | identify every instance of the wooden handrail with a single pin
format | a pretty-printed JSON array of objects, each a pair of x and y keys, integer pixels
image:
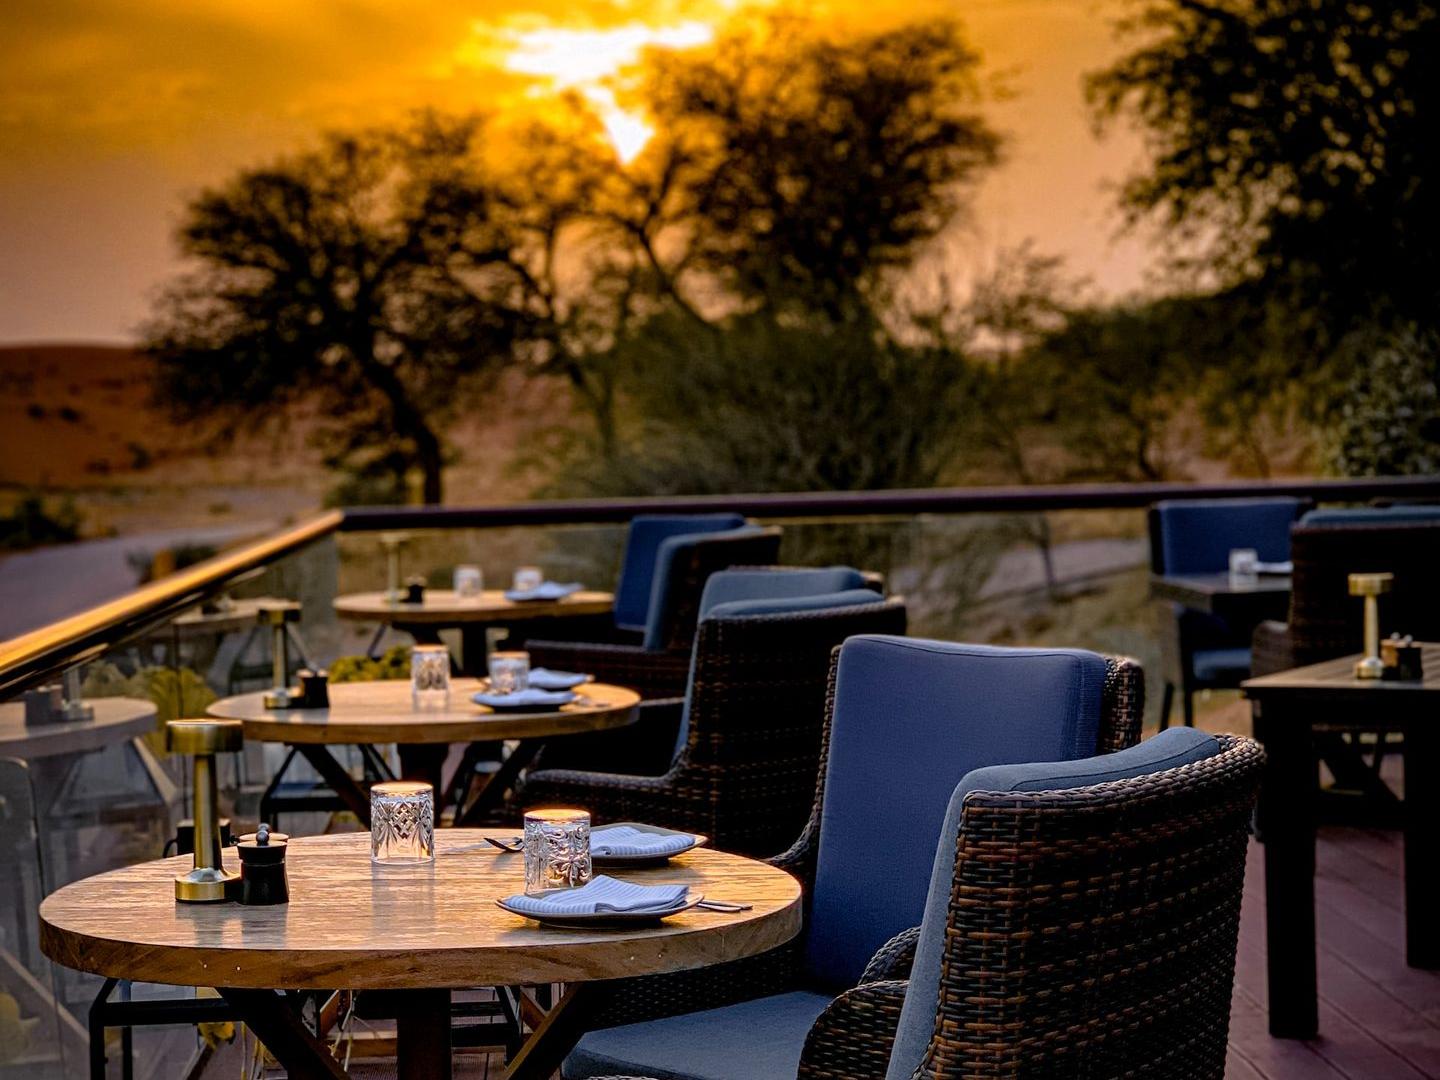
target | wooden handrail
[{"x": 84, "y": 636}]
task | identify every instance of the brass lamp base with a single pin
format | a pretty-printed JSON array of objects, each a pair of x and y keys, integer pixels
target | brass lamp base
[
  {"x": 205, "y": 884},
  {"x": 1369, "y": 667},
  {"x": 283, "y": 697}
]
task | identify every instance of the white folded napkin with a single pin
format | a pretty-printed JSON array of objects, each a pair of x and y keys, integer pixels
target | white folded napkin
[
  {"x": 529, "y": 696},
  {"x": 601, "y": 896},
  {"x": 546, "y": 679},
  {"x": 626, "y": 841}
]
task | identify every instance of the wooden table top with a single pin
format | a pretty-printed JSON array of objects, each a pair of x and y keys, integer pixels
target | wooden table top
[
  {"x": 381, "y": 712},
  {"x": 352, "y": 925},
  {"x": 445, "y": 607},
  {"x": 1338, "y": 676},
  {"x": 116, "y": 719}
]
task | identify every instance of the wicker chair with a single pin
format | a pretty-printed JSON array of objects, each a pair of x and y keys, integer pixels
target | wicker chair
[
  {"x": 655, "y": 660},
  {"x": 1069, "y": 931},
  {"x": 1194, "y": 536},
  {"x": 1327, "y": 546},
  {"x": 922, "y": 790},
  {"x": 744, "y": 771}
]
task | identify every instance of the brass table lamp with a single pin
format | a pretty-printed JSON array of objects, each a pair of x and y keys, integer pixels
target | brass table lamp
[
  {"x": 1370, "y": 586},
  {"x": 275, "y": 615},
  {"x": 203, "y": 739},
  {"x": 393, "y": 542}
]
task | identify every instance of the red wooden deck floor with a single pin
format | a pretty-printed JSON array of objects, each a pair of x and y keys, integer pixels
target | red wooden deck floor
[{"x": 1378, "y": 1017}]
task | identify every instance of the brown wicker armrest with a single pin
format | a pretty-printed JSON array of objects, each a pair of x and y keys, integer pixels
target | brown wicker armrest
[
  {"x": 893, "y": 959},
  {"x": 608, "y": 796},
  {"x": 855, "y": 1033},
  {"x": 645, "y": 748},
  {"x": 653, "y": 673},
  {"x": 799, "y": 857}
]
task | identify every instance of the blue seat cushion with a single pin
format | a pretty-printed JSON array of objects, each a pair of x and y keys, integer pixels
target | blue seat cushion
[
  {"x": 911, "y": 718},
  {"x": 1197, "y": 535},
  {"x": 1168, "y": 750},
  {"x": 1221, "y": 665},
  {"x": 730, "y": 585},
  {"x": 1373, "y": 515},
  {"x": 755, "y": 1040},
  {"x": 666, "y": 556},
  {"x": 642, "y": 544}
]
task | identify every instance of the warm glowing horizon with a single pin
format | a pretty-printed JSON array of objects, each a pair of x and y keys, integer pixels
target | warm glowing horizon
[{"x": 111, "y": 116}]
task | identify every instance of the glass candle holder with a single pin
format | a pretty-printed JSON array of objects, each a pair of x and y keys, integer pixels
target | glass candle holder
[
  {"x": 527, "y": 578},
  {"x": 557, "y": 850},
  {"x": 402, "y": 823},
  {"x": 1244, "y": 566},
  {"x": 469, "y": 581},
  {"x": 509, "y": 672},
  {"x": 430, "y": 678}
]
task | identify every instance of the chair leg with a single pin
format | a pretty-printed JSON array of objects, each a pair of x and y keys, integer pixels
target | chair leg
[
  {"x": 1189, "y": 704},
  {"x": 1167, "y": 702}
]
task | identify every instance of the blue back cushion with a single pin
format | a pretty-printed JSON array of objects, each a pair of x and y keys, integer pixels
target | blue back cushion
[
  {"x": 777, "y": 605},
  {"x": 1168, "y": 750},
  {"x": 728, "y": 586},
  {"x": 911, "y": 718},
  {"x": 642, "y": 544},
  {"x": 1373, "y": 515},
  {"x": 665, "y": 557},
  {"x": 1196, "y": 536}
]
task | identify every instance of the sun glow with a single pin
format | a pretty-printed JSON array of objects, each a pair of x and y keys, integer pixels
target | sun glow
[{"x": 587, "y": 62}]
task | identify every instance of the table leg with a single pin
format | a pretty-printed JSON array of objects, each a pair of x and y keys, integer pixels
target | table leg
[
  {"x": 422, "y": 1035},
  {"x": 372, "y": 651},
  {"x": 1422, "y": 846},
  {"x": 493, "y": 793},
  {"x": 352, "y": 794},
  {"x": 540, "y": 1056},
  {"x": 1287, "y": 824},
  {"x": 269, "y": 1016}
]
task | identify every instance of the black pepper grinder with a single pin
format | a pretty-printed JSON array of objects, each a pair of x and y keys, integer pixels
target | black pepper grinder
[{"x": 262, "y": 867}]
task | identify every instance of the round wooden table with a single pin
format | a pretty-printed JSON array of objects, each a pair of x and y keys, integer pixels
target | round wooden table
[
  {"x": 414, "y": 932},
  {"x": 370, "y": 713},
  {"x": 116, "y": 720},
  {"x": 443, "y": 608}
]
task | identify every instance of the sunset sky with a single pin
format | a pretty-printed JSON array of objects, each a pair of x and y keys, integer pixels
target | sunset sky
[{"x": 113, "y": 111}]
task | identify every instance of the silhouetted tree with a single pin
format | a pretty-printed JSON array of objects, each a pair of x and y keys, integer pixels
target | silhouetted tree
[
  {"x": 797, "y": 167},
  {"x": 791, "y": 172},
  {"x": 1293, "y": 144},
  {"x": 370, "y": 274}
]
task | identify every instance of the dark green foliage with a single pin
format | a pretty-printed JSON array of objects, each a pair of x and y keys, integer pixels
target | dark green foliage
[
  {"x": 762, "y": 406},
  {"x": 1387, "y": 422},
  {"x": 1294, "y": 139},
  {"x": 1295, "y": 165},
  {"x": 31, "y": 523},
  {"x": 793, "y": 172}
]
